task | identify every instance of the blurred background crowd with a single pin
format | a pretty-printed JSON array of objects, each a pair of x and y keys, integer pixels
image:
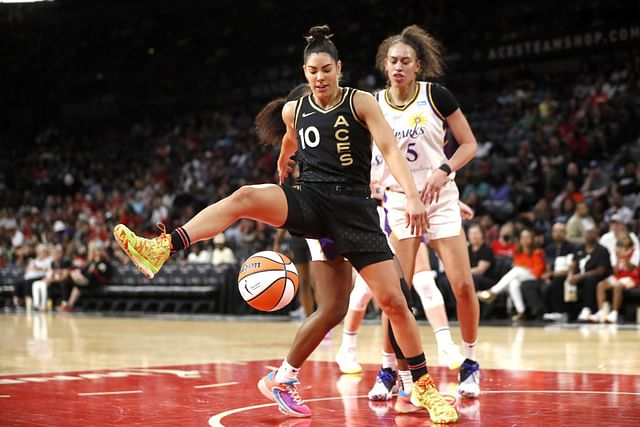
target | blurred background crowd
[{"x": 144, "y": 114}]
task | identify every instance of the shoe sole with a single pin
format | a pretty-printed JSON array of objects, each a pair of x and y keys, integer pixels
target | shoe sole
[
  {"x": 386, "y": 398},
  {"x": 266, "y": 392},
  {"x": 132, "y": 254},
  {"x": 436, "y": 421},
  {"x": 454, "y": 364},
  {"x": 355, "y": 370},
  {"x": 468, "y": 395}
]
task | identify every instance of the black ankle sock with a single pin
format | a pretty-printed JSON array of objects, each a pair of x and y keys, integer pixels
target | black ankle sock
[
  {"x": 180, "y": 239},
  {"x": 417, "y": 366}
]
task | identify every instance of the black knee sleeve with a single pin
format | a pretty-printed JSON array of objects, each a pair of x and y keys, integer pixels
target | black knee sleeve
[
  {"x": 406, "y": 292},
  {"x": 392, "y": 339},
  {"x": 394, "y": 343}
]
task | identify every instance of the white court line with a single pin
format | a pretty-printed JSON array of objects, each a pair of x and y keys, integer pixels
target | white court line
[
  {"x": 5, "y": 395},
  {"x": 215, "y": 385},
  {"x": 107, "y": 393},
  {"x": 216, "y": 420},
  {"x": 624, "y": 393}
]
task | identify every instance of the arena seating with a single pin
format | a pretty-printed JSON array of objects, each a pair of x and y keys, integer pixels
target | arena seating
[{"x": 190, "y": 288}]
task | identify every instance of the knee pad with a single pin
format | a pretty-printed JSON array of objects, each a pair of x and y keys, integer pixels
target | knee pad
[
  {"x": 360, "y": 295},
  {"x": 425, "y": 285}
]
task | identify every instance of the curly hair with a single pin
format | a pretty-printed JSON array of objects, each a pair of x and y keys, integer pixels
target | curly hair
[
  {"x": 269, "y": 125},
  {"x": 428, "y": 51}
]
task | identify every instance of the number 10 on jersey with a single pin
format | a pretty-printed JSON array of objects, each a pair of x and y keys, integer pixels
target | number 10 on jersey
[{"x": 310, "y": 137}]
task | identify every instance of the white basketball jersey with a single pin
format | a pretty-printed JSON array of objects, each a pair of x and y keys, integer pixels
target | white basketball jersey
[
  {"x": 420, "y": 131},
  {"x": 377, "y": 171}
]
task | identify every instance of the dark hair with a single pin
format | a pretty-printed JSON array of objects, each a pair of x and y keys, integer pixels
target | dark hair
[
  {"x": 428, "y": 51},
  {"x": 519, "y": 246},
  {"x": 269, "y": 125},
  {"x": 318, "y": 41}
]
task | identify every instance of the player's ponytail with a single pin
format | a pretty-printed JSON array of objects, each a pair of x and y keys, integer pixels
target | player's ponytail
[
  {"x": 269, "y": 125},
  {"x": 319, "y": 41}
]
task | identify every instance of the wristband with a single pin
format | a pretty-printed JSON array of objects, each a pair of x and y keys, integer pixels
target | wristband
[{"x": 445, "y": 168}]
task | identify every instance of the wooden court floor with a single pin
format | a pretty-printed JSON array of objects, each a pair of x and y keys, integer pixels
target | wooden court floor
[{"x": 84, "y": 370}]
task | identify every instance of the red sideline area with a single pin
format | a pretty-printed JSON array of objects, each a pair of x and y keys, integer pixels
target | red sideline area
[{"x": 226, "y": 394}]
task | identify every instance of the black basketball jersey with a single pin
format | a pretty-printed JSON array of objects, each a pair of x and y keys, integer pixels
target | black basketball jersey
[{"x": 334, "y": 146}]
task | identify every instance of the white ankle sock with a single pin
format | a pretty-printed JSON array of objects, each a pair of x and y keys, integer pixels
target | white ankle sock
[
  {"x": 349, "y": 340},
  {"x": 389, "y": 361},
  {"x": 407, "y": 380},
  {"x": 469, "y": 349},
  {"x": 286, "y": 372},
  {"x": 443, "y": 337}
]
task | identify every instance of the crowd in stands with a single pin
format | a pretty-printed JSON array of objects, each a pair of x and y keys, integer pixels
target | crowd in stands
[{"x": 557, "y": 171}]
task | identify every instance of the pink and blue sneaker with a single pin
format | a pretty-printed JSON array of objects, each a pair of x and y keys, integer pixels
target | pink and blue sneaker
[{"x": 285, "y": 395}]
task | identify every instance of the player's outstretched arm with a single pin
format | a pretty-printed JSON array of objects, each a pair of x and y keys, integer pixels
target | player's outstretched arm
[{"x": 289, "y": 142}]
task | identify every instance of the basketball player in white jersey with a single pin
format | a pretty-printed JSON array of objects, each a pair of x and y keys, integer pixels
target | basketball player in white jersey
[{"x": 420, "y": 113}]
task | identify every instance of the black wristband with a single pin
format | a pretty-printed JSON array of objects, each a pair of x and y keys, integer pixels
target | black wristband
[{"x": 445, "y": 168}]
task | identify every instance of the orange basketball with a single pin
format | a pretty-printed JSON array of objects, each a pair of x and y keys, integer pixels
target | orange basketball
[{"x": 268, "y": 281}]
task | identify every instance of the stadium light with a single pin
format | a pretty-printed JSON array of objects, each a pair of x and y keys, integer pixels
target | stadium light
[{"x": 23, "y": 1}]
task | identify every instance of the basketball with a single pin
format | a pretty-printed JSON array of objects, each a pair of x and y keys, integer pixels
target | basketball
[{"x": 268, "y": 281}]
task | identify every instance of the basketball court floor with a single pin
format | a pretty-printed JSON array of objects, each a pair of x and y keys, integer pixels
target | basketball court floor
[{"x": 62, "y": 370}]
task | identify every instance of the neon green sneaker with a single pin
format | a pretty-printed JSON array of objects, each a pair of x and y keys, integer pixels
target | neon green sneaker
[
  {"x": 147, "y": 254},
  {"x": 426, "y": 395}
]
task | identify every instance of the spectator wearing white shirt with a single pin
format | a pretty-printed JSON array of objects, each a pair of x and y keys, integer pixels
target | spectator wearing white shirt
[
  {"x": 36, "y": 269},
  {"x": 579, "y": 222},
  {"x": 222, "y": 254},
  {"x": 199, "y": 254},
  {"x": 609, "y": 239}
]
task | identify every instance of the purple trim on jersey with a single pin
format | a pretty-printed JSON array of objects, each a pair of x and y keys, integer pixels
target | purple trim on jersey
[
  {"x": 329, "y": 248},
  {"x": 387, "y": 227},
  {"x": 447, "y": 145},
  {"x": 427, "y": 90}
]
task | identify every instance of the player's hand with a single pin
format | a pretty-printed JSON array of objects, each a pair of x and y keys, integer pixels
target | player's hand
[
  {"x": 465, "y": 211},
  {"x": 285, "y": 167},
  {"x": 434, "y": 184},
  {"x": 416, "y": 216}
]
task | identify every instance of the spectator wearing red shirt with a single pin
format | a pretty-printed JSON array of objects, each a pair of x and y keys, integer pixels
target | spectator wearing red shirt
[
  {"x": 503, "y": 246},
  {"x": 528, "y": 264}
]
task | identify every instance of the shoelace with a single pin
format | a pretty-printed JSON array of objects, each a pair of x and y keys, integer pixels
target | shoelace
[
  {"x": 147, "y": 245},
  {"x": 469, "y": 369},
  {"x": 162, "y": 227},
  {"x": 293, "y": 392},
  {"x": 438, "y": 404},
  {"x": 386, "y": 379}
]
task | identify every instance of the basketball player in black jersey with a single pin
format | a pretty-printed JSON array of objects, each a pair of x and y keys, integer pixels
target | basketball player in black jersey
[{"x": 332, "y": 129}]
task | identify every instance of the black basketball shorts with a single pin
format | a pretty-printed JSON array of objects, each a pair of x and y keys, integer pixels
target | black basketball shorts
[{"x": 344, "y": 213}]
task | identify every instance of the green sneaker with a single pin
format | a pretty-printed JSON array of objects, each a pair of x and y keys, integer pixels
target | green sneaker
[
  {"x": 426, "y": 395},
  {"x": 147, "y": 254}
]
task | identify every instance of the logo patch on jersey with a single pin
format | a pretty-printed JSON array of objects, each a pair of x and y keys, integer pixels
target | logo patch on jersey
[
  {"x": 416, "y": 126},
  {"x": 417, "y": 119},
  {"x": 308, "y": 114}
]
